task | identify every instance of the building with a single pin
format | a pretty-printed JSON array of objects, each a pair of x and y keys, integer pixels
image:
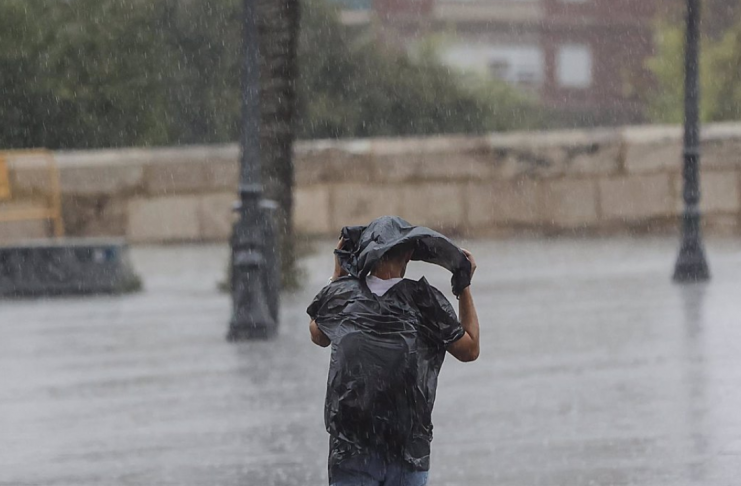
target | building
[
  {"x": 595, "y": 53},
  {"x": 583, "y": 59}
]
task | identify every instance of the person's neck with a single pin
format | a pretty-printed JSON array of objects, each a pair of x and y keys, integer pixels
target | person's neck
[{"x": 387, "y": 272}]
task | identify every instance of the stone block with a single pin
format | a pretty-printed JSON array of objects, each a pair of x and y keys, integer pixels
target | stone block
[
  {"x": 599, "y": 157},
  {"x": 432, "y": 167},
  {"x": 569, "y": 203},
  {"x": 94, "y": 215},
  {"x": 653, "y": 149},
  {"x": 14, "y": 231},
  {"x": 721, "y": 146},
  {"x": 721, "y": 224},
  {"x": 106, "y": 179},
  {"x": 329, "y": 161},
  {"x": 438, "y": 144},
  {"x": 222, "y": 174},
  {"x": 29, "y": 176},
  {"x": 175, "y": 176},
  {"x": 517, "y": 202},
  {"x": 158, "y": 171},
  {"x": 221, "y": 170},
  {"x": 719, "y": 192},
  {"x": 164, "y": 219},
  {"x": 478, "y": 199},
  {"x": 79, "y": 173},
  {"x": 126, "y": 156},
  {"x": 555, "y": 154},
  {"x": 636, "y": 198},
  {"x": 355, "y": 204},
  {"x": 111, "y": 219},
  {"x": 437, "y": 205},
  {"x": 659, "y": 148},
  {"x": 217, "y": 216},
  {"x": 311, "y": 210},
  {"x": 502, "y": 202},
  {"x": 190, "y": 169},
  {"x": 358, "y": 146}
]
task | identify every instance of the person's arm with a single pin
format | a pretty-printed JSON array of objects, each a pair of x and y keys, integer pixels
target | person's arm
[
  {"x": 467, "y": 349},
  {"x": 317, "y": 336},
  {"x": 338, "y": 270}
]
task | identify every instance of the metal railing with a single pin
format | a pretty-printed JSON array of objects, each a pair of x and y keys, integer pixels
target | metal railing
[{"x": 52, "y": 210}]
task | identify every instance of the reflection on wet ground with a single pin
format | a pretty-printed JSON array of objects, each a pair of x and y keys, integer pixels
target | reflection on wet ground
[{"x": 595, "y": 370}]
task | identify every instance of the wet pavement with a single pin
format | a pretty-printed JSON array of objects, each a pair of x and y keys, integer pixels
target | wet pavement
[{"x": 595, "y": 370}]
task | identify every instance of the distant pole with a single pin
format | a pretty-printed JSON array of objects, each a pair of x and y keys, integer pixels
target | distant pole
[
  {"x": 251, "y": 316},
  {"x": 691, "y": 265}
]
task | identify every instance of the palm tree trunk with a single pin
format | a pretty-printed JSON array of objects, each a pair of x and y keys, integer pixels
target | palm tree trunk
[{"x": 278, "y": 27}]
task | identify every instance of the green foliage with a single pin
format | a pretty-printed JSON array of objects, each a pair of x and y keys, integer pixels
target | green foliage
[
  {"x": 720, "y": 76},
  {"x": 19, "y": 47},
  {"x": 92, "y": 73},
  {"x": 352, "y": 89},
  {"x": 107, "y": 73}
]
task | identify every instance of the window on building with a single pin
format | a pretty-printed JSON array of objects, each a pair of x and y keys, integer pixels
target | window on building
[
  {"x": 499, "y": 69},
  {"x": 520, "y": 65},
  {"x": 353, "y": 4},
  {"x": 574, "y": 66}
]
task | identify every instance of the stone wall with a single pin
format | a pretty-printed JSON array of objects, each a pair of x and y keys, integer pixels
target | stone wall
[
  {"x": 598, "y": 181},
  {"x": 594, "y": 182}
]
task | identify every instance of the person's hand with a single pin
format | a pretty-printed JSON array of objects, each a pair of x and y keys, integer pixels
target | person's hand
[
  {"x": 338, "y": 270},
  {"x": 470, "y": 259}
]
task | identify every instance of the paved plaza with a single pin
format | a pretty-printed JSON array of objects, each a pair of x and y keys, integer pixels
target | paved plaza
[{"x": 595, "y": 370}]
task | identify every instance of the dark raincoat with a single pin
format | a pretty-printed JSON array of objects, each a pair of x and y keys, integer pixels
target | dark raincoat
[{"x": 387, "y": 350}]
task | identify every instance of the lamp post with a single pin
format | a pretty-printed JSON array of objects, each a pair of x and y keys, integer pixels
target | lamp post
[
  {"x": 254, "y": 292},
  {"x": 691, "y": 265}
]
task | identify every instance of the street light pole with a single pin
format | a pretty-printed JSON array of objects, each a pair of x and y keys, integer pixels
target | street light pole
[
  {"x": 691, "y": 265},
  {"x": 251, "y": 270}
]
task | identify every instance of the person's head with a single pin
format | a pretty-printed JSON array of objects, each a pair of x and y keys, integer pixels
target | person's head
[{"x": 394, "y": 262}]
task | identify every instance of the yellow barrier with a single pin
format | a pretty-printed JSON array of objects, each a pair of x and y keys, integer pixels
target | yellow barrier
[
  {"x": 52, "y": 211},
  {"x": 4, "y": 180}
]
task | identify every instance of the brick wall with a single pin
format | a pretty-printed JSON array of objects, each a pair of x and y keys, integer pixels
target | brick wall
[
  {"x": 619, "y": 35},
  {"x": 594, "y": 182}
]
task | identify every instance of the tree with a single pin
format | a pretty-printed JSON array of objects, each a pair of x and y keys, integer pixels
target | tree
[
  {"x": 720, "y": 75},
  {"x": 19, "y": 123},
  {"x": 91, "y": 73},
  {"x": 350, "y": 87},
  {"x": 278, "y": 26},
  {"x": 110, "y": 73}
]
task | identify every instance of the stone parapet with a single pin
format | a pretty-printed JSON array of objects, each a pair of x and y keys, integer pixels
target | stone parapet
[{"x": 586, "y": 181}]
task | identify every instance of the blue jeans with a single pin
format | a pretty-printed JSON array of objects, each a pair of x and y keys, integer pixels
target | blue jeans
[{"x": 372, "y": 470}]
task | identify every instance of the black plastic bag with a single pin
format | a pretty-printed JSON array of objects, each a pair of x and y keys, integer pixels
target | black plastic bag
[{"x": 365, "y": 245}]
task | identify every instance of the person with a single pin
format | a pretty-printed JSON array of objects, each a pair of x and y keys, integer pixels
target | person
[{"x": 389, "y": 336}]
